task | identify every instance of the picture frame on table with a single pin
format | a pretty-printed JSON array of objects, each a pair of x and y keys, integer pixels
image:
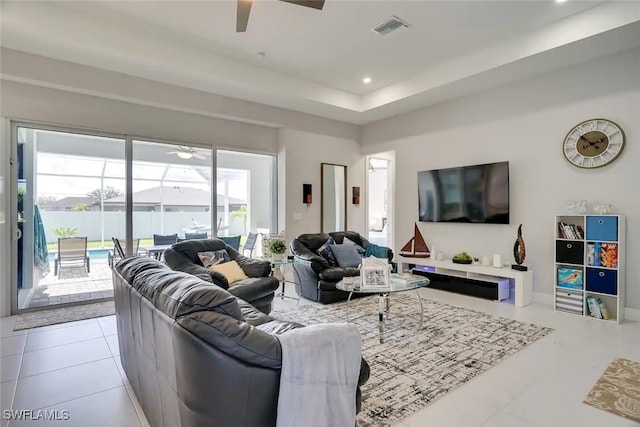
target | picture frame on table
[{"x": 375, "y": 273}]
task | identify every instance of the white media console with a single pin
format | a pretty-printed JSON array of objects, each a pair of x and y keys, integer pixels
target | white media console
[{"x": 522, "y": 280}]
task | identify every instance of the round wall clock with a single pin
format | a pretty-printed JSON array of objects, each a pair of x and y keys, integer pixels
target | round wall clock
[{"x": 593, "y": 143}]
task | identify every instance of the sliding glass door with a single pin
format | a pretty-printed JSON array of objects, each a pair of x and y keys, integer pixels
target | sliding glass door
[
  {"x": 63, "y": 182},
  {"x": 171, "y": 194}
]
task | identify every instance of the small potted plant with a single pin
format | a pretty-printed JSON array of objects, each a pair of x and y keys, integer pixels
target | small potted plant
[{"x": 277, "y": 249}]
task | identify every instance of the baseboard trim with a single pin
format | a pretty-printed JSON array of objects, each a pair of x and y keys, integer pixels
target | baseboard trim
[{"x": 632, "y": 314}]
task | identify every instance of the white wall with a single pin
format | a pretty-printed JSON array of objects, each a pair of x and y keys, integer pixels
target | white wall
[
  {"x": 40, "y": 104},
  {"x": 524, "y": 123},
  {"x": 303, "y": 153}
]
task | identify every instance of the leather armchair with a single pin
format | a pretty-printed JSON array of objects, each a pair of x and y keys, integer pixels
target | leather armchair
[
  {"x": 259, "y": 289},
  {"x": 315, "y": 279},
  {"x": 195, "y": 355}
]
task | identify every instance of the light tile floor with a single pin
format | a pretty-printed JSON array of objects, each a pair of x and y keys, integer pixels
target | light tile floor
[{"x": 75, "y": 366}]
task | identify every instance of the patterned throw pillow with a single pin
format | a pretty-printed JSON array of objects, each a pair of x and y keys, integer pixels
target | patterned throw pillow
[
  {"x": 325, "y": 252},
  {"x": 360, "y": 249},
  {"x": 210, "y": 258}
]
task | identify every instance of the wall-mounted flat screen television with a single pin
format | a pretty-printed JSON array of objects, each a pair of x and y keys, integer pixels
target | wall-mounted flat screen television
[{"x": 475, "y": 194}]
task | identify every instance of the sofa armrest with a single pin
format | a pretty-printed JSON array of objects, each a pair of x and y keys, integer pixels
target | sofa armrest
[
  {"x": 254, "y": 288},
  {"x": 253, "y": 267},
  {"x": 303, "y": 253}
]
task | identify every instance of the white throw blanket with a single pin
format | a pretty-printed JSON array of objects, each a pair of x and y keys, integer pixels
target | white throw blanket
[{"x": 319, "y": 377}]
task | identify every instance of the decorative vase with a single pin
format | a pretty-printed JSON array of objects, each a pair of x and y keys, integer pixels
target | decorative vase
[{"x": 519, "y": 252}]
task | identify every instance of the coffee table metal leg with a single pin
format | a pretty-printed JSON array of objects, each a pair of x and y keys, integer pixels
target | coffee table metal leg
[
  {"x": 421, "y": 309},
  {"x": 382, "y": 312},
  {"x": 346, "y": 309}
]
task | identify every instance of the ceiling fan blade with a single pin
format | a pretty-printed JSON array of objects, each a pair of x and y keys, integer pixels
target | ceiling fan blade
[
  {"x": 242, "y": 18},
  {"x": 198, "y": 156},
  {"x": 315, "y": 4}
]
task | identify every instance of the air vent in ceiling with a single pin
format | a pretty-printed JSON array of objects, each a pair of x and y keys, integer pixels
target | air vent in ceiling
[{"x": 389, "y": 25}]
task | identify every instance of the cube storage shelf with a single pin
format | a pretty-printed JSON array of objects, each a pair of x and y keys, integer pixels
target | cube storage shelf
[{"x": 589, "y": 264}]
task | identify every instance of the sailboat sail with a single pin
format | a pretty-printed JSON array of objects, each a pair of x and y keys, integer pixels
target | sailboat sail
[{"x": 416, "y": 246}]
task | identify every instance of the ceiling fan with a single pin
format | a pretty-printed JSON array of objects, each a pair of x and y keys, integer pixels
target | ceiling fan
[
  {"x": 188, "y": 152},
  {"x": 244, "y": 8}
]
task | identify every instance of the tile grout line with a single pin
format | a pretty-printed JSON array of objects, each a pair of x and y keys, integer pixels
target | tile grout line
[
  {"x": 135, "y": 408},
  {"x": 60, "y": 345},
  {"x": 82, "y": 397},
  {"x": 66, "y": 367}
]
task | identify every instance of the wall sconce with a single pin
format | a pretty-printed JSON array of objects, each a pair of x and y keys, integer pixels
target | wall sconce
[
  {"x": 306, "y": 194},
  {"x": 355, "y": 197}
]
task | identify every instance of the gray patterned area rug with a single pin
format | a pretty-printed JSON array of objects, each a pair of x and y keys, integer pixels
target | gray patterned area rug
[
  {"x": 63, "y": 315},
  {"x": 413, "y": 368}
]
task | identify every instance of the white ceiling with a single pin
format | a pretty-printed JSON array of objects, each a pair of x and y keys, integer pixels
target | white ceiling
[{"x": 315, "y": 60}]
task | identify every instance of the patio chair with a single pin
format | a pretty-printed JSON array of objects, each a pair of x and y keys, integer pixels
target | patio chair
[
  {"x": 160, "y": 239},
  {"x": 191, "y": 236},
  {"x": 233, "y": 241},
  {"x": 72, "y": 253},
  {"x": 119, "y": 253},
  {"x": 249, "y": 244}
]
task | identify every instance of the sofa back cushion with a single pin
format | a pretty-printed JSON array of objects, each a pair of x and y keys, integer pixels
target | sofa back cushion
[
  {"x": 313, "y": 241},
  {"x": 191, "y": 248},
  {"x": 355, "y": 237},
  {"x": 175, "y": 293}
]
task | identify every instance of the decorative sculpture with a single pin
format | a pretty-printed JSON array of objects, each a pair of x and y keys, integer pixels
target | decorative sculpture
[{"x": 519, "y": 252}]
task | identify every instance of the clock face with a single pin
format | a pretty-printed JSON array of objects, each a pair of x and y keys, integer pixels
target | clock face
[{"x": 593, "y": 143}]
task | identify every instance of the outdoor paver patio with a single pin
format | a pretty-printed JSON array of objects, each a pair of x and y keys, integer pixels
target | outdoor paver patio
[{"x": 73, "y": 285}]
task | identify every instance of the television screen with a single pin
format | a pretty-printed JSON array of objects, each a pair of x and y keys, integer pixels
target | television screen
[{"x": 478, "y": 193}]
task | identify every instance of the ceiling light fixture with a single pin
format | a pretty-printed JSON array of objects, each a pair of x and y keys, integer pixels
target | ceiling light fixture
[
  {"x": 184, "y": 154},
  {"x": 560, "y": 1},
  {"x": 366, "y": 80}
]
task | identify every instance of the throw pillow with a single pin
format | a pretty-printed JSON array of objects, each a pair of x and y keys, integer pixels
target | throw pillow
[
  {"x": 231, "y": 270},
  {"x": 210, "y": 258},
  {"x": 346, "y": 255},
  {"x": 360, "y": 249},
  {"x": 376, "y": 251},
  {"x": 325, "y": 252}
]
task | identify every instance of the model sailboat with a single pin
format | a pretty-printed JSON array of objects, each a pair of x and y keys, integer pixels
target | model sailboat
[{"x": 416, "y": 247}]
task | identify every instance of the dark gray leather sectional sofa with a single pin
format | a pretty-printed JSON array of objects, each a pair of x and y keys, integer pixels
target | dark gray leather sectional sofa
[{"x": 196, "y": 355}]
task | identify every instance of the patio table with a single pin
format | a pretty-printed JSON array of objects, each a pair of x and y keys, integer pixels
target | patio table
[{"x": 155, "y": 251}]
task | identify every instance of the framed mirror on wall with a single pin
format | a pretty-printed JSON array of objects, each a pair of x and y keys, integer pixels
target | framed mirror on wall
[{"x": 333, "y": 197}]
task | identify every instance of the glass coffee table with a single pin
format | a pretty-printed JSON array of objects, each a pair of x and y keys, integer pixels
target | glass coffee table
[{"x": 383, "y": 298}]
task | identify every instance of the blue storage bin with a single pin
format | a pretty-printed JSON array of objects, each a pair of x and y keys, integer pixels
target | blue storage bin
[
  {"x": 602, "y": 228},
  {"x": 602, "y": 280}
]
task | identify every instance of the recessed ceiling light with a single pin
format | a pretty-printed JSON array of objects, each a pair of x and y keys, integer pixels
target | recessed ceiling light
[
  {"x": 366, "y": 80},
  {"x": 560, "y": 1}
]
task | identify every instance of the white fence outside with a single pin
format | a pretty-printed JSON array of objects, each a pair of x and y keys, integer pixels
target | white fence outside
[{"x": 145, "y": 224}]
